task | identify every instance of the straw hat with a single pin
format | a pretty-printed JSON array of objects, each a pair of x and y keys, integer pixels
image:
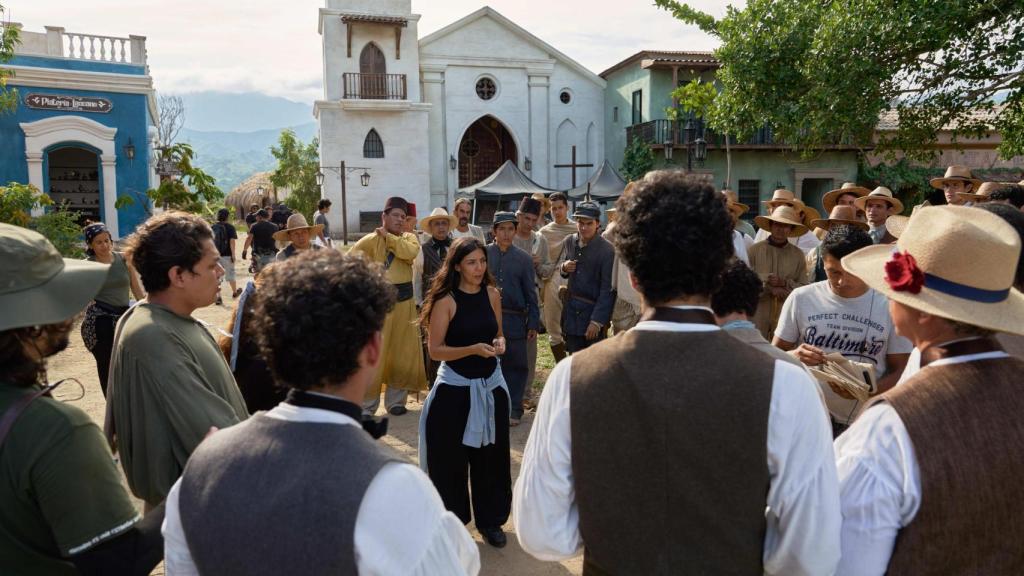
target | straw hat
[
  {"x": 810, "y": 214},
  {"x": 845, "y": 215},
  {"x": 959, "y": 173},
  {"x": 732, "y": 202},
  {"x": 783, "y": 215},
  {"x": 829, "y": 200},
  {"x": 296, "y": 222},
  {"x": 984, "y": 191},
  {"x": 783, "y": 197},
  {"x": 961, "y": 267},
  {"x": 438, "y": 214},
  {"x": 37, "y": 285},
  {"x": 880, "y": 193},
  {"x": 545, "y": 203}
]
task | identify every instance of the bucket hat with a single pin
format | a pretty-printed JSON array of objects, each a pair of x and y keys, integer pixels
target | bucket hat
[{"x": 37, "y": 285}]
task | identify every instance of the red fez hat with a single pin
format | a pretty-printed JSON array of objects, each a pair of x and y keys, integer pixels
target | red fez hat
[{"x": 396, "y": 202}]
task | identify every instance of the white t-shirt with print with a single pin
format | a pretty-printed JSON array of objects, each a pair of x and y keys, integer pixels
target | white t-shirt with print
[{"x": 858, "y": 328}]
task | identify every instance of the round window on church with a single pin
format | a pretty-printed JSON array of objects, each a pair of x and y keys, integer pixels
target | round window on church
[
  {"x": 565, "y": 97},
  {"x": 486, "y": 88}
]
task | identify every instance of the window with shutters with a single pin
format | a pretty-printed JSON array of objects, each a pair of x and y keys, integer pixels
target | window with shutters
[
  {"x": 373, "y": 147},
  {"x": 749, "y": 192}
]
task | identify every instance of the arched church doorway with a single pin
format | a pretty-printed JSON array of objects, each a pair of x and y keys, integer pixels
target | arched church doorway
[
  {"x": 74, "y": 179},
  {"x": 485, "y": 146}
]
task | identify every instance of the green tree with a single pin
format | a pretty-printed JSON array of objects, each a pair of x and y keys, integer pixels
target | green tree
[
  {"x": 17, "y": 201},
  {"x": 9, "y": 39},
  {"x": 192, "y": 191},
  {"x": 638, "y": 160},
  {"x": 57, "y": 223},
  {"x": 297, "y": 166},
  {"x": 823, "y": 72}
]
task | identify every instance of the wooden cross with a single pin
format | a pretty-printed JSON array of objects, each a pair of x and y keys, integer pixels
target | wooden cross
[{"x": 574, "y": 166}]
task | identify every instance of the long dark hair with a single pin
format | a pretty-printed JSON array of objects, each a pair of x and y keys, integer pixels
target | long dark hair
[{"x": 447, "y": 278}]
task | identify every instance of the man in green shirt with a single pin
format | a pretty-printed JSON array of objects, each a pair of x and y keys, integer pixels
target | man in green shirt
[
  {"x": 63, "y": 509},
  {"x": 169, "y": 382}
]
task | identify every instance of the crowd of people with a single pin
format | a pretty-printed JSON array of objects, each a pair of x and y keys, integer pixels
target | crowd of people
[{"x": 689, "y": 425}]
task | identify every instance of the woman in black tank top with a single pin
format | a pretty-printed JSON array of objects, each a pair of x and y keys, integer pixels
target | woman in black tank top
[{"x": 462, "y": 313}]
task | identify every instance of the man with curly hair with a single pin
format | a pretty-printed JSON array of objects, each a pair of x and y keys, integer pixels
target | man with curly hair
[
  {"x": 302, "y": 488},
  {"x": 169, "y": 382},
  {"x": 717, "y": 458}
]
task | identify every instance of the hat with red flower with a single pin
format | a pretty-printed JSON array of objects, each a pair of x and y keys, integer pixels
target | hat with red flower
[{"x": 951, "y": 261}]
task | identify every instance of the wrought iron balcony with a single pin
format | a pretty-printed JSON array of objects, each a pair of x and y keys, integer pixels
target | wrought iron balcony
[
  {"x": 658, "y": 132},
  {"x": 375, "y": 86}
]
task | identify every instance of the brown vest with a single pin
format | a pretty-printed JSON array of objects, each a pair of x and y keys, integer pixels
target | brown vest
[
  {"x": 669, "y": 453},
  {"x": 431, "y": 264},
  {"x": 966, "y": 422}
]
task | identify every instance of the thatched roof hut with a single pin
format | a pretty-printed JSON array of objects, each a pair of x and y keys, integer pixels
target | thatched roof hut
[{"x": 247, "y": 193}]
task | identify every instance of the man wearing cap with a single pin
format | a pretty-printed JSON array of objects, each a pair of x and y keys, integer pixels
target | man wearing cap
[
  {"x": 513, "y": 270},
  {"x": 304, "y": 488},
  {"x": 929, "y": 475},
  {"x": 463, "y": 211},
  {"x": 586, "y": 261},
  {"x": 780, "y": 264},
  {"x": 402, "y": 369},
  {"x": 299, "y": 236},
  {"x": 533, "y": 243},
  {"x": 555, "y": 232},
  {"x": 64, "y": 508},
  {"x": 432, "y": 254},
  {"x": 169, "y": 381},
  {"x": 806, "y": 240},
  {"x": 840, "y": 215},
  {"x": 956, "y": 180},
  {"x": 878, "y": 206},
  {"x": 675, "y": 448},
  {"x": 842, "y": 315}
]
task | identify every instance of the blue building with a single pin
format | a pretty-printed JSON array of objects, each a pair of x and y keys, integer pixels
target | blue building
[{"x": 84, "y": 131}]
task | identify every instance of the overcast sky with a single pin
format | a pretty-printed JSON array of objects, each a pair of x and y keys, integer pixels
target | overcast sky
[{"x": 272, "y": 46}]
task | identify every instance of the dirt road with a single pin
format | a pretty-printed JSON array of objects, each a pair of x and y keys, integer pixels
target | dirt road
[{"x": 77, "y": 362}]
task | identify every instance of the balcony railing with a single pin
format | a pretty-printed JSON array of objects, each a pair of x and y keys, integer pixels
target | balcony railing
[
  {"x": 658, "y": 132},
  {"x": 374, "y": 86}
]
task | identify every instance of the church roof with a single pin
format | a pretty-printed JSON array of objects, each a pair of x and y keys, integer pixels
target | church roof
[
  {"x": 375, "y": 19},
  {"x": 507, "y": 182},
  {"x": 653, "y": 58},
  {"x": 605, "y": 184},
  {"x": 488, "y": 12}
]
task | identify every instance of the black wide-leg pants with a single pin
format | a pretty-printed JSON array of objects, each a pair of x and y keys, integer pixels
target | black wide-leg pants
[{"x": 454, "y": 467}]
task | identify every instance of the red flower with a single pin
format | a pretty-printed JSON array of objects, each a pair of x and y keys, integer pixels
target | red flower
[{"x": 902, "y": 273}]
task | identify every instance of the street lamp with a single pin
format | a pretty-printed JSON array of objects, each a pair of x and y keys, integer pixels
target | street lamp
[
  {"x": 129, "y": 151},
  {"x": 668, "y": 151},
  {"x": 452, "y": 162},
  {"x": 259, "y": 192},
  {"x": 528, "y": 164},
  {"x": 696, "y": 146},
  {"x": 343, "y": 172}
]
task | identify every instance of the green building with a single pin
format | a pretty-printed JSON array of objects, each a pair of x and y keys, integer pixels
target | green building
[{"x": 637, "y": 94}]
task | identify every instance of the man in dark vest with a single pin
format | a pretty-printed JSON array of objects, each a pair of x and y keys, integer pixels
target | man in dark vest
[
  {"x": 674, "y": 448},
  {"x": 586, "y": 261},
  {"x": 302, "y": 488},
  {"x": 432, "y": 254},
  {"x": 930, "y": 473}
]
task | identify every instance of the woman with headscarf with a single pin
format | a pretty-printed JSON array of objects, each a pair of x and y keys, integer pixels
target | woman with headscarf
[{"x": 113, "y": 299}]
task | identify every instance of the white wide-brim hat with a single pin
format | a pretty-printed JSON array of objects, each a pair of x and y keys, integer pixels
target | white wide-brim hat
[
  {"x": 438, "y": 214},
  {"x": 964, "y": 265}
]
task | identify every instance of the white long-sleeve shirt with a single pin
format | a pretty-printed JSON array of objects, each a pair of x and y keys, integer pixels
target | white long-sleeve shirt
[
  {"x": 802, "y": 513},
  {"x": 402, "y": 528},
  {"x": 879, "y": 482}
]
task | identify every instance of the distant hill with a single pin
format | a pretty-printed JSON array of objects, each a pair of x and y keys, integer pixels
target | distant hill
[
  {"x": 231, "y": 156},
  {"x": 242, "y": 112}
]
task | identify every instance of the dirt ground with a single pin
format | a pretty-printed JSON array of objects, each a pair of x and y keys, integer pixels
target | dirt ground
[{"x": 78, "y": 363}]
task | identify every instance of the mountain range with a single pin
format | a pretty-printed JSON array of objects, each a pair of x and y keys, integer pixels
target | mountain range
[{"x": 232, "y": 133}]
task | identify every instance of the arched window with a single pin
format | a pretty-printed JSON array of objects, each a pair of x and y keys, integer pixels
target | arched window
[{"x": 373, "y": 147}]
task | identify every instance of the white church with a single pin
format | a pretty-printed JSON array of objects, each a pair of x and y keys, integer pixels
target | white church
[{"x": 427, "y": 116}]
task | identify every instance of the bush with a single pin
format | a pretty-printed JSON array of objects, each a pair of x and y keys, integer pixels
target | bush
[
  {"x": 60, "y": 226},
  {"x": 17, "y": 201}
]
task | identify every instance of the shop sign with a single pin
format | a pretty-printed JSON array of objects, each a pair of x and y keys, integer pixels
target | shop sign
[{"x": 66, "y": 103}]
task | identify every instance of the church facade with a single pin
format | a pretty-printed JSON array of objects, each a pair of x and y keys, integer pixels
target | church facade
[{"x": 427, "y": 116}]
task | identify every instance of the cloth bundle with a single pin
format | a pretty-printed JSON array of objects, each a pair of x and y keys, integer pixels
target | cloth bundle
[{"x": 857, "y": 378}]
